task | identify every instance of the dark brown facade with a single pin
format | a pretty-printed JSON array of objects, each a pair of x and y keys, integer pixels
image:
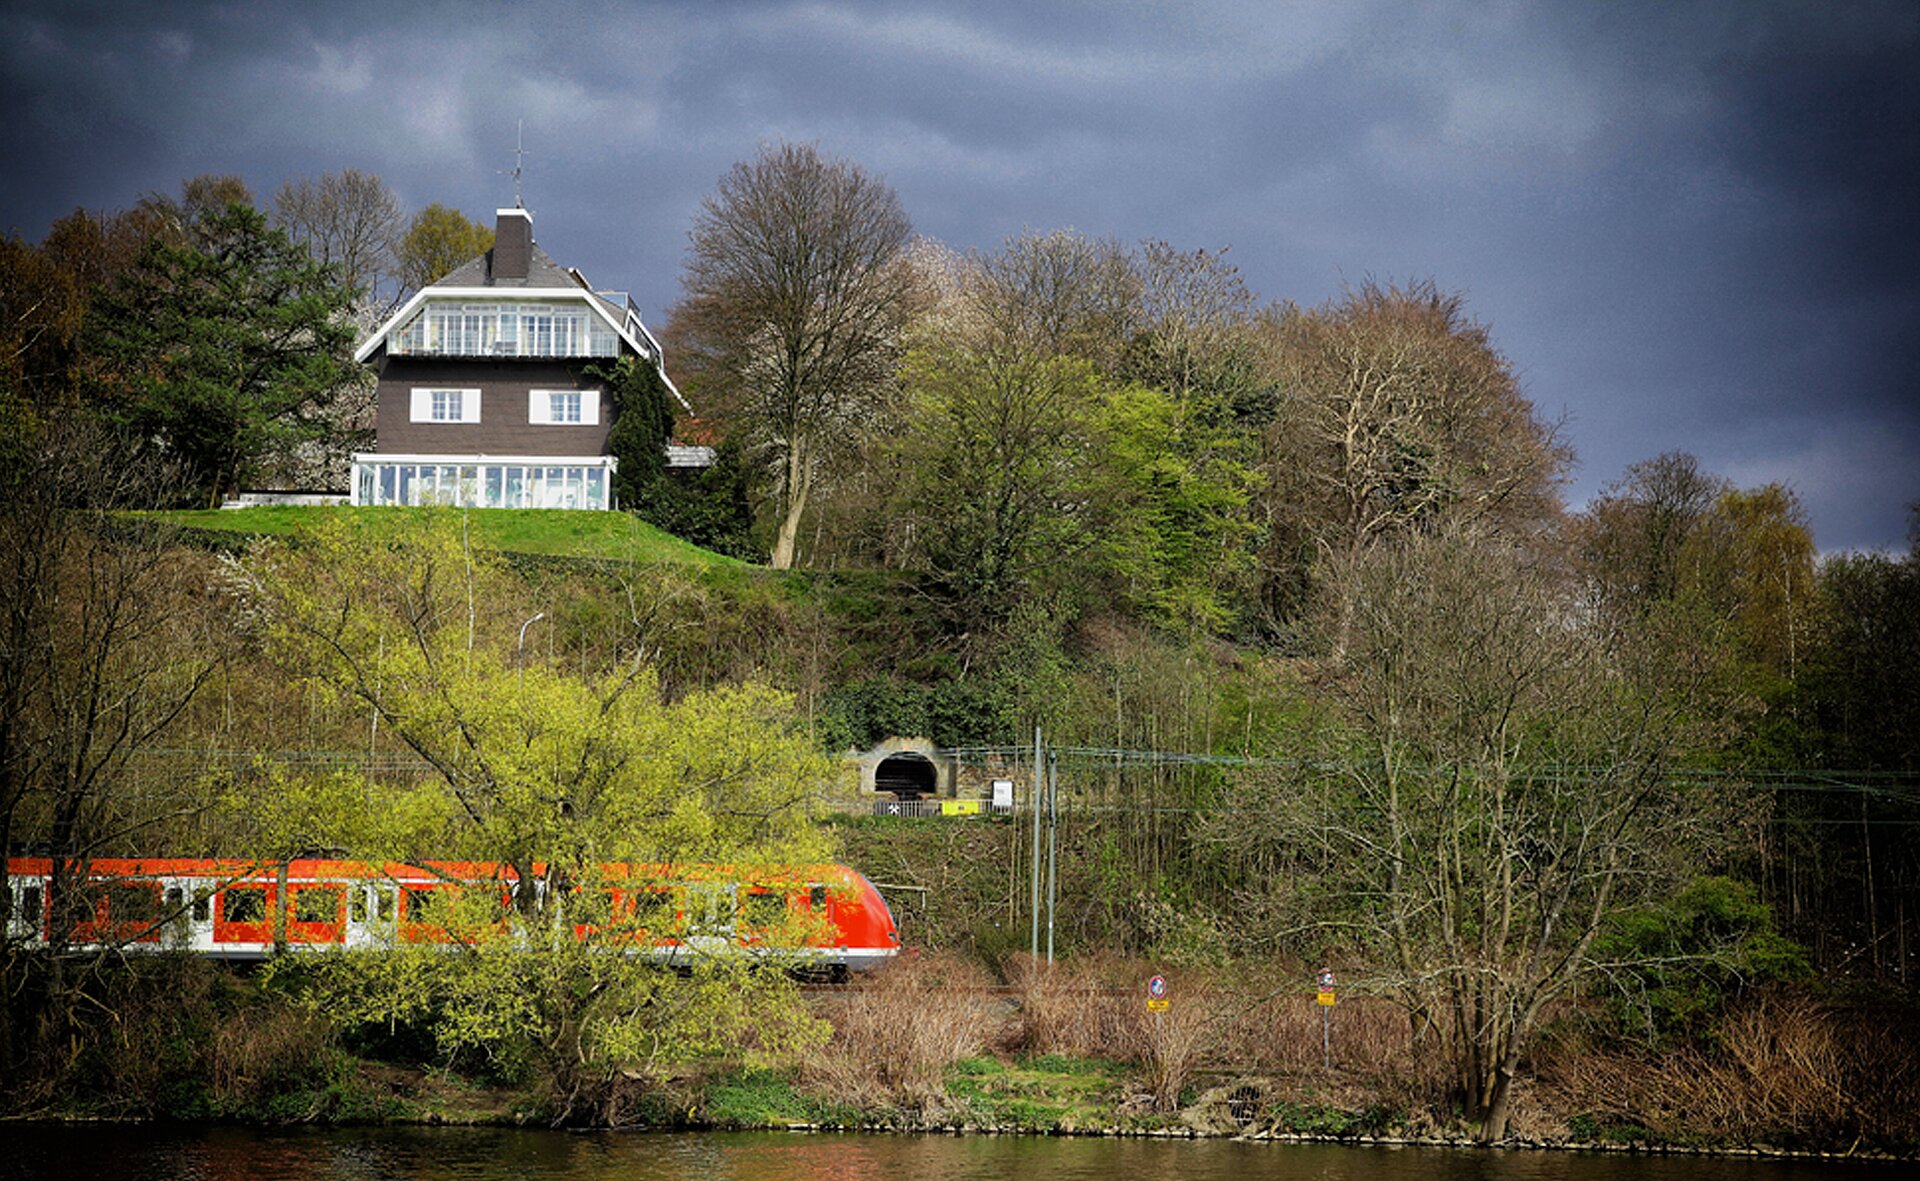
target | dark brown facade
[{"x": 503, "y": 428}]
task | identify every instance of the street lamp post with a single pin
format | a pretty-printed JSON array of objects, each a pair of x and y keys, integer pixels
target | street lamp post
[{"x": 520, "y": 651}]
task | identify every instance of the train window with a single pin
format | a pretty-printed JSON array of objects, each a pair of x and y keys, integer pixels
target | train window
[
  {"x": 244, "y": 904},
  {"x": 316, "y": 904},
  {"x": 383, "y": 903},
  {"x": 763, "y": 910},
  {"x": 357, "y": 904},
  {"x": 133, "y": 902},
  {"x": 30, "y": 905},
  {"x": 424, "y": 907},
  {"x": 202, "y": 906},
  {"x": 176, "y": 903},
  {"x": 817, "y": 898}
]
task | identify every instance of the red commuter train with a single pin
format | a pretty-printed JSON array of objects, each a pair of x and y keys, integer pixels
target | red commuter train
[{"x": 227, "y": 908}]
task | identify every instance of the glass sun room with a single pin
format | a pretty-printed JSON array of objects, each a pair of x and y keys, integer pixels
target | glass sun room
[{"x": 478, "y": 481}]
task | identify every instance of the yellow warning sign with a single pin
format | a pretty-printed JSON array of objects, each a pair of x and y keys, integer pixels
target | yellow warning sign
[
  {"x": 1326, "y": 996},
  {"x": 1158, "y": 1005},
  {"x": 960, "y": 807}
]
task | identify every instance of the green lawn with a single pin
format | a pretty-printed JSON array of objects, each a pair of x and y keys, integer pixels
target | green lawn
[{"x": 610, "y": 536}]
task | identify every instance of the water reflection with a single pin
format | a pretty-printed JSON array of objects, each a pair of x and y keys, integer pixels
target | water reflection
[{"x": 127, "y": 1153}]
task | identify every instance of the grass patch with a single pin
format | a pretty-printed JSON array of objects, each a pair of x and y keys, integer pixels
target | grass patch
[
  {"x": 1047, "y": 1093},
  {"x": 765, "y": 1099},
  {"x": 605, "y": 536},
  {"x": 1322, "y": 1120},
  {"x": 1070, "y": 1065}
]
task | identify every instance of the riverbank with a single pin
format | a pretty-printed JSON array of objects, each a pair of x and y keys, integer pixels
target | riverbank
[
  {"x": 497, "y": 1154},
  {"x": 435, "y": 1099},
  {"x": 935, "y": 1045}
]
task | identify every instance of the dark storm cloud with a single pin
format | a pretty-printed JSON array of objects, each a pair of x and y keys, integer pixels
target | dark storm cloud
[{"x": 1690, "y": 225}]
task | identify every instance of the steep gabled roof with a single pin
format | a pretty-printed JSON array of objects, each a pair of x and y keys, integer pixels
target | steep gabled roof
[
  {"x": 542, "y": 272},
  {"x": 546, "y": 279}
]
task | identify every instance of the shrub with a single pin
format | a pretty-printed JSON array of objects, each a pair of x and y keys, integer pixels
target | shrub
[{"x": 896, "y": 1035}]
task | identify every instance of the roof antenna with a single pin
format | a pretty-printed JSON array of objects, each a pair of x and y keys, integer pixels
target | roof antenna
[{"x": 519, "y": 153}]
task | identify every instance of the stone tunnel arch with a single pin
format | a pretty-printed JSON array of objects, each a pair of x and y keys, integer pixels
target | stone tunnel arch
[
  {"x": 909, "y": 775},
  {"x": 906, "y": 769}
]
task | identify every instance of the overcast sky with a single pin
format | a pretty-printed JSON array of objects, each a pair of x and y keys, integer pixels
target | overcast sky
[{"x": 1691, "y": 226}]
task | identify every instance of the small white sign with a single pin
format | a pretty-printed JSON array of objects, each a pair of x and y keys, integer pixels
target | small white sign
[{"x": 1003, "y": 793}]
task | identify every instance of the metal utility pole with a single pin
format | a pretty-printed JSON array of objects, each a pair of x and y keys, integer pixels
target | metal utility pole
[
  {"x": 1053, "y": 840},
  {"x": 1037, "y": 781}
]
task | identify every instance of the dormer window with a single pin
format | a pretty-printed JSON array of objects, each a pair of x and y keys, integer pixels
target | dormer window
[{"x": 473, "y": 329}]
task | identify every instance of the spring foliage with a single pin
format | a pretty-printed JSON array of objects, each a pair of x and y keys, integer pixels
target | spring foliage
[{"x": 557, "y": 775}]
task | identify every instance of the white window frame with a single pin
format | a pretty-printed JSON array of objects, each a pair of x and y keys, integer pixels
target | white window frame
[
  {"x": 484, "y": 481},
  {"x": 421, "y": 408},
  {"x": 540, "y": 407}
]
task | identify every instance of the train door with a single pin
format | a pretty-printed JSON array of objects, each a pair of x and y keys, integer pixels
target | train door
[
  {"x": 29, "y": 918},
  {"x": 200, "y": 915},
  {"x": 710, "y": 908},
  {"x": 369, "y": 913},
  {"x": 177, "y": 908}
]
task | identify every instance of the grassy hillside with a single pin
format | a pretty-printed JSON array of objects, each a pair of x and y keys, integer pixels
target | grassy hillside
[{"x": 619, "y": 537}]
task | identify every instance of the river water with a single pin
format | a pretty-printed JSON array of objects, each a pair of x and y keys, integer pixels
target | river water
[{"x": 134, "y": 1153}]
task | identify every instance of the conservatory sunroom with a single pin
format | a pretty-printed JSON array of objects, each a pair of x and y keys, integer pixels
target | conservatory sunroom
[{"x": 481, "y": 481}]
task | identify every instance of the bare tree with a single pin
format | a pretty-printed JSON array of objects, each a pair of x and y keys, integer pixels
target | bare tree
[
  {"x": 1196, "y": 339},
  {"x": 1637, "y": 539},
  {"x": 1398, "y": 410},
  {"x": 1498, "y": 785},
  {"x": 796, "y": 293},
  {"x": 1056, "y": 294},
  {"x": 1395, "y": 412},
  {"x": 348, "y": 219},
  {"x": 102, "y": 646}
]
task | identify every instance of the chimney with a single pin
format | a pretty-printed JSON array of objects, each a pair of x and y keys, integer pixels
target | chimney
[{"x": 512, "y": 245}]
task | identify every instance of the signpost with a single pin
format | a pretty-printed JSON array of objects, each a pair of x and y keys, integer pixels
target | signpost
[
  {"x": 1326, "y": 1001},
  {"x": 1003, "y": 795},
  {"x": 1157, "y": 995}
]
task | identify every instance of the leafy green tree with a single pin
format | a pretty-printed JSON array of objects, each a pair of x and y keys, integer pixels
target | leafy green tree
[
  {"x": 437, "y": 240},
  {"x": 223, "y": 354},
  {"x": 642, "y": 424},
  {"x": 1863, "y": 680},
  {"x": 559, "y": 778},
  {"x": 1685, "y": 957},
  {"x": 709, "y": 507},
  {"x": 996, "y": 491},
  {"x": 1768, "y": 553},
  {"x": 1181, "y": 549}
]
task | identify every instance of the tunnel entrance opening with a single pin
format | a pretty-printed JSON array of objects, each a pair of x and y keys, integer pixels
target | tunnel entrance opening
[{"x": 908, "y": 776}]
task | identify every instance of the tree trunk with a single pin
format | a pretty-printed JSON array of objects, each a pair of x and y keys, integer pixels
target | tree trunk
[
  {"x": 280, "y": 903},
  {"x": 797, "y": 487},
  {"x": 1500, "y": 1105}
]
